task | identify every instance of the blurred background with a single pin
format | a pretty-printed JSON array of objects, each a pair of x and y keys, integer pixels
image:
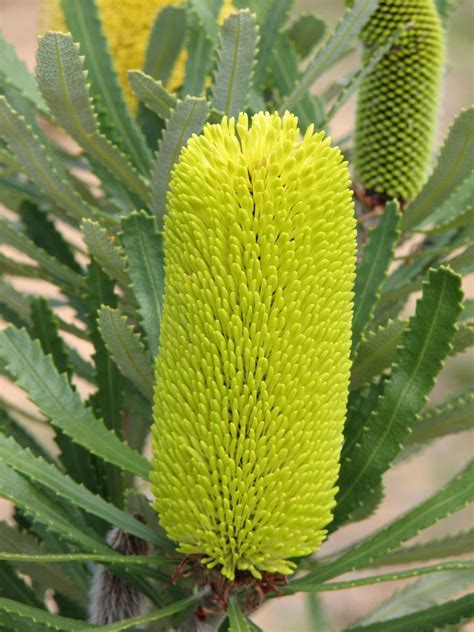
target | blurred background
[{"x": 415, "y": 478}]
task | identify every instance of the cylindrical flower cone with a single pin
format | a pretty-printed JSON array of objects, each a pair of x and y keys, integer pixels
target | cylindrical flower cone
[
  {"x": 398, "y": 100},
  {"x": 253, "y": 371}
]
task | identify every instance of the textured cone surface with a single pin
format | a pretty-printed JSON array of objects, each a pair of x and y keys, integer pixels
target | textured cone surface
[
  {"x": 398, "y": 100},
  {"x": 127, "y": 25},
  {"x": 253, "y": 371}
]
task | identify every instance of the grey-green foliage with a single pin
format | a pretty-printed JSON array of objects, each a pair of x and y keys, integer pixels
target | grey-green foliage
[{"x": 90, "y": 226}]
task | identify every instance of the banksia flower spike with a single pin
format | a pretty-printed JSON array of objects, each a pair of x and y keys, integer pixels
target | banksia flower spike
[
  {"x": 127, "y": 25},
  {"x": 253, "y": 371},
  {"x": 398, "y": 100}
]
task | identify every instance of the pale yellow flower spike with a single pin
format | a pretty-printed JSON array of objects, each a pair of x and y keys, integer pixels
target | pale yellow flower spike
[
  {"x": 253, "y": 372},
  {"x": 127, "y": 25}
]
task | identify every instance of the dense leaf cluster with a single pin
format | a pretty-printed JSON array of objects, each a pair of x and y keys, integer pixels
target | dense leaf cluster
[{"x": 83, "y": 229}]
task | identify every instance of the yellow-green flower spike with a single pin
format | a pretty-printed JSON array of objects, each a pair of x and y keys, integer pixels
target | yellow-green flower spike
[
  {"x": 398, "y": 100},
  {"x": 252, "y": 376},
  {"x": 127, "y": 25}
]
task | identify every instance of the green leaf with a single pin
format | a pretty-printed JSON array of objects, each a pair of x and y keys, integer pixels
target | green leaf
[
  {"x": 152, "y": 93},
  {"x": 456, "y": 567},
  {"x": 30, "y": 498},
  {"x": 305, "y": 33},
  {"x": 208, "y": 13},
  {"x": 454, "y": 165},
  {"x": 62, "y": 81},
  {"x": 43, "y": 232},
  {"x": 16, "y": 544},
  {"x": 426, "y": 343},
  {"x": 238, "y": 45},
  {"x": 38, "y": 164},
  {"x": 15, "y": 587},
  {"x": 54, "y": 269},
  {"x": 285, "y": 72},
  {"x": 35, "y": 616},
  {"x": 464, "y": 338},
  {"x": 49, "y": 476},
  {"x": 426, "y": 592},
  {"x": 425, "y": 620},
  {"x": 15, "y": 301},
  {"x": 29, "y": 616},
  {"x": 238, "y": 621},
  {"x": 51, "y": 392},
  {"x": 83, "y": 21},
  {"x": 339, "y": 42},
  {"x": 450, "y": 546},
  {"x": 165, "y": 43},
  {"x": 107, "y": 254},
  {"x": 144, "y": 251},
  {"x": 200, "y": 49},
  {"x": 127, "y": 349},
  {"x": 15, "y": 69},
  {"x": 454, "y": 496},
  {"x": 445, "y": 8},
  {"x": 455, "y": 414},
  {"x": 187, "y": 119},
  {"x": 45, "y": 329},
  {"x": 371, "y": 273},
  {"x": 352, "y": 84},
  {"x": 271, "y": 23},
  {"x": 459, "y": 203},
  {"x": 10, "y": 427}
]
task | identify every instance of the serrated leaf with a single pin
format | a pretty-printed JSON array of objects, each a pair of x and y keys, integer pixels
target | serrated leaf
[
  {"x": 51, "y": 392},
  {"x": 14, "y": 541},
  {"x": 16, "y": 71},
  {"x": 30, "y": 498},
  {"x": 377, "y": 579},
  {"x": 15, "y": 301},
  {"x": 445, "y": 8},
  {"x": 238, "y": 621},
  {"x": 426, "y": 620},
  {"x": 38, "y": 164},
  {"x": 55, "y": 270},
  {"x": 49, "y": 476},
  {"x": 43, "y": 232},
  {"x": 452, "y": 497},
  {"x": 237, "y": 49},
  {"x": 426, "y": 592},
  {"x": 271, "y": 22},
  {"x": 426, "y": 343},
  {"x": 30, "y": 615},
  {"x": 284, "y": 66},
  {"x": 200, "y": 49},
  {"x": 44, "y": 327},
  {"x": 144, "y": 250},
  {"x": 83, "y": 21},
  {"x": 10, "y": 427},
  {"x": 14, "y": 587},
  {"x": 371, "y": 273},
  {"x": 208, "y": 12},
  {"x": 62, "y": 81},
  {"x": 187, "y": 119},
  {"x": 453, "y": 166},
  {"x": 41, "y": 619},
  {"x": 106, "y": 253},
  {"x": 353, "y": 82},
  {"x": 339, "y": 42},
  {"x": 461, "y": 543},
  {"x": 305, "y": 33},
  {"x": 165, "y": 43},
  {"x": 152, "y": 93},
  {"x": 107, "y": 401},
  {"x": 455, "y": 414},
  {"x": 127, "y": 349},
  {"x": 458, "y": 203}
]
